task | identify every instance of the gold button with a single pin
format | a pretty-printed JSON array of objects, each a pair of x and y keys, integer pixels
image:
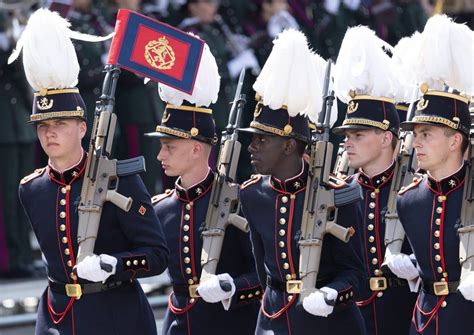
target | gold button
[
  {"x": 64, "y": 240},
  {"x": 282, "y": 210},
  {"x": 286, "y": 266},
  {"x": 257, "y": 292},
  {"x": 438, "y": 222},
  {"x": 250, "y": 295},
  {"x": 282, "y": 221},
  {"x": 379, "y": 295},
  {"x": 63, "y": 190},
  {"x": 62, "y": 202},
  {"x": 437, "y": 258},
  {"x": 371, "y": 216},
  {"x": 187, "y": 260},
  {"x": 186, "y": 217},
  {"x": 185, "y": 227},
  {"x": 191, "y": 301},
  {"x": 441, "y": 198},
  {"x": 283, "y": 255},
  {"x": 73, "y": 276},
  {"x": 69, "y": 263},
  {"x": 62, "y": 215},
  {"x": 284, "y": 199},
  {"x": 242, "y": 297},
  {"x": 185, "y": 250},
  {"x": 288, "y": 277},
  {"x": 436, "y": 233},
  {"x": 373, "y": 250},
  {"x": 190, "y": 281},
  {"x": 347, "y": 295},
  {"x": 341, "y": 298},
  {"x": 290, "y": 297},
  {"x": 377, "y": 272},
  {"x": 371, "y": 239},
  {"x": 128, "y": 263},
  {"x": 188, "y": 271},
  {"x": 444, "y": 304},
  {"x": 188, "y": 207},
  {"x": 135, "y": 262},
  {"x": 143, "y": 262},
  {"x": 185, "y": 238},
  {"x": 370, "y": 227},
  {"x": 372, "y": 205},
  {"x": 62, "y": 227},
  {"x": 436, "y": 246},
  {"x": 439, "y": 210},
  {"x": 374, "y": 261},
  {"x": 66, "y": 251},
  {"x": 445, "y": 274},
  {"x": 282, "y": 232},
  {"x": 281, "y": 244},
  {"x": 372, "y": 195},
  {"x": 439, "y": 269}
]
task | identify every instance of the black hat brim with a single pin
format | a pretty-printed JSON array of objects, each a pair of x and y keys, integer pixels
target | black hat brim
[
  {"x": 252, "y": 130},
  {"x": 160, "y": 135},
  {"x": 341, "y": 130}
]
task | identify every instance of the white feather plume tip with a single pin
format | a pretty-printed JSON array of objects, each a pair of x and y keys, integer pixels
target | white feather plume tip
[
  {"x": 363, "y": 66},
  {"x": 288, "y": 78},
  {"x": 206, "y": 86},
  {"x": 446, "y": 55},
  {"x": 49, "y": 58}
]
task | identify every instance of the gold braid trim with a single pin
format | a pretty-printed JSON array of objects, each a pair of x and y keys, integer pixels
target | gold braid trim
[
  {"x": 173, "y": 132},
  {"x": 436, "y": 119},
  {"x": 190, "y": 108},
  {"x": 268, "y": 129},
  {"x": 45, "y": 91},
  {"x": 365, "y": 122},
  {"x": 54, "y": 115}
]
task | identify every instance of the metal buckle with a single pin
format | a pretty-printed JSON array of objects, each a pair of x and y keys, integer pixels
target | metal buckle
[
  {"x": 193, "y": 291},
  {"x": 294, "y": 286},
  {"x": 378, "y": 283},
  {"x": 440, "y": 288},
  {"x": 74, "y": 291}
]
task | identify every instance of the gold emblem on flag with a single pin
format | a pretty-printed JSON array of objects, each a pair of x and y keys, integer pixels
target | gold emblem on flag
[{"x": 159, "y": 54}]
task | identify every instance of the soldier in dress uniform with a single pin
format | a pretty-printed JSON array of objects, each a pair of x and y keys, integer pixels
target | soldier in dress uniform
[
  {"x": 131, "y": 243},
  {"x": 430, "y": 208},
  {"x": 371, "y": 136},
  {"x": 187, "y": 134},
  {"x": 272, "y": 202}
]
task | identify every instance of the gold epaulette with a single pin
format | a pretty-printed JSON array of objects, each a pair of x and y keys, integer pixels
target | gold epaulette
[
  {"x": 336, "y": 182},
  {"x": 36, "y": 174},
  {"x": 414, "y": 183},
  {"x": 157, "y": 198},
  {"x": 253, "y": 179}
]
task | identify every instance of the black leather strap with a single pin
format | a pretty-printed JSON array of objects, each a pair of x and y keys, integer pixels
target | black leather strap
[{"x": 86, "y": 288}]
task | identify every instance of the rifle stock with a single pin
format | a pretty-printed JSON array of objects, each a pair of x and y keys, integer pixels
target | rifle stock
[
  {"x": 101, "y": 177},
  {"x": 224, "y": 203}
]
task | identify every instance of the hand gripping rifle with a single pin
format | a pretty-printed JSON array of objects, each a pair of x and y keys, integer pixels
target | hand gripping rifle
[
  {"x": 224, "y": 202},
  {"x": 101, "y": 177},
  {"x": 402, "y": 176},
  {"x": 321, "y": 200},
  {"x": 466, "y": 232},
  {"x": 341, "y": 167}
]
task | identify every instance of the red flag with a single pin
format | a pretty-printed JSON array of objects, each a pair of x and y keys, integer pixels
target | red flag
[{"x": 156, "y": 50}]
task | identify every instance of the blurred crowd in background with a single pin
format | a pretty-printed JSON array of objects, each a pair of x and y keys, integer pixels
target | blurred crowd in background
[{"x": 239, "y": 34}]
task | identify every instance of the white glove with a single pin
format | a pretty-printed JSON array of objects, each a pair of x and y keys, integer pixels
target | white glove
[
  {"x": 280, "y": 21},
  {"x": 467, "y": 287},
  {"x": 210, "y": 290},
  {"x": 245, "y": 60},
  {"x": 332, "y": 6},
  {"x": 402, "y": 266},
  {"x": 315, "y": 303},
  {"x": 90, "y": 269}
]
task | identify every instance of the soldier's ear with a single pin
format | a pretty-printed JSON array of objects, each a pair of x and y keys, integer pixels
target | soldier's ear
[
  {"x": 82, "y": 128},
  {"x": 387, "y": 139},
  {"x": 290, "y": 146},
  {"x": 456, "y": 141}
]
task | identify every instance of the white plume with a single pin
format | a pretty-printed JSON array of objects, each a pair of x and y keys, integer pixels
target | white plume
[
  {"x": 206, "y": 86},
  {"x": 287, "y": 78},
  {"x": 49, "y": 58},
  {"x": 363, "y": 66},
  {"x": 446, "y": 55},
  {"x": 405, "y": 55}
]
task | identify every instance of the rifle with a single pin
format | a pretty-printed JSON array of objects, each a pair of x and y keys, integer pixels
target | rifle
[
  {"x": 466, "y": 232},
  {"x": 403, "y": 176},
  {"x": 101, "y": 177},
  {"x": 320, "y": 203},
  {"x": 341, "y": 166},
  {"x": 224, "y": 202}
]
